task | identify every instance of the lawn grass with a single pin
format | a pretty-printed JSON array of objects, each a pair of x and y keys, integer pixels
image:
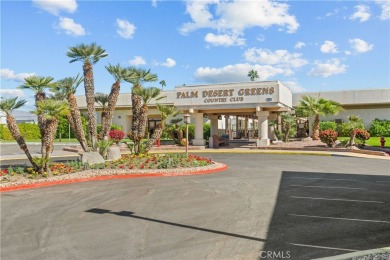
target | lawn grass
[{"x": 373, "y": 141}]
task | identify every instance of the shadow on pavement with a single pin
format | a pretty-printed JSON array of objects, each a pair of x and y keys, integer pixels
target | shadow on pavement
[{"x": 326, "y": 214}]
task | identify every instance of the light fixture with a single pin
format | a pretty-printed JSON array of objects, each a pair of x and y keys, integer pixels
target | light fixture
[
  {"x": 187, "y": 119},
  {"x": 191, "y": 111},
  {"x": 258, "y": 108}
]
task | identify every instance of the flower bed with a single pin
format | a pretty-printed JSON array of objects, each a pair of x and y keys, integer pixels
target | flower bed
[{"x": 128, "y": 163}]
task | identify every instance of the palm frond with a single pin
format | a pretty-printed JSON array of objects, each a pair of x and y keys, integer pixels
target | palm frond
[
  {"x": 91, "y": 53},
  {"x": 9, "y": 104},
  {"x": 52, "y": 109},
  {"x": 38, "y": 83}
]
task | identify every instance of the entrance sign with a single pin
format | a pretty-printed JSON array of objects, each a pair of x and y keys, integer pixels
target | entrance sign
[{"x": 225, "y": 94}]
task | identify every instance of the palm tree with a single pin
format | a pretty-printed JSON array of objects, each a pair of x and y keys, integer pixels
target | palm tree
[
  {"x": 252, "y": 74},
  {"x": 165, "y": 112},
  {"x": 163, "y": 84},
  {"x": 88, "y": 54},
  {"x": 102, "y": 100},
  {"x": 52, "y": 110},
  {"x": 318, "y": 107},
  {"x": 7, "y": 106},
  {"x": 67, "y": 87},
  {"x": 175, "y": 130},
  {"x": 38, "y": 85},
  {"x": 119, "y": 75},
  {"x": 146, "y": 95},
  {"x": 289, "y": 122},
  {"x": 137, "y": 78}
]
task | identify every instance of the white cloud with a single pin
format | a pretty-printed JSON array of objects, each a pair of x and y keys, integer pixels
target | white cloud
[
  {"x": 282, "y": 58},
  {"x": 328, "y": 68},
  {"x": 56, "y": 6},
  {"x": 299, "y": 45},
  {"x": 362, "y": 13},
  {"x": 385, "y": 6},
  {"x": 224, "y": 39},
  {"x": 169, "y": 63},
  {"x": 236, "y": 16},
  {"x": 138, "y": 60},
  {"x": 328, "y": 47},
  {"x": 154, "y": 3},
  {"x": 8, "y": 74},
  {"x": 360, "y": 46},
  {"x": 125, "y": 29},
  {"x": 69, "y": 26},
  {"x": 236, "y": 73},
  {"x": 260, "y": 38},
  {"x": 12, "y": 92},
  {"x": 293, "y": 86}
]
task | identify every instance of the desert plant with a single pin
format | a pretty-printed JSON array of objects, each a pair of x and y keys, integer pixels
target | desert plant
[
  {"x": 116, "y": 135},
  {"x": 103, "y": 146},
  {"x": 328, "y": 137},
  {"x": 362, "y": 136},
  {"x": 288, "y": 125}
]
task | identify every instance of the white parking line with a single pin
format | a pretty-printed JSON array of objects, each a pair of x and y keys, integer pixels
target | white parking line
[
  {"x": 328, "y": 187},
  {"x": 312, "y": 198},
  {"x": 349, "y": 219},
  {"x": 324, "y": 247}
]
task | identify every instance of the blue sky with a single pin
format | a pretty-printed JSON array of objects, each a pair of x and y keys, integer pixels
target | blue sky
[{"x": 307, "y": 45}]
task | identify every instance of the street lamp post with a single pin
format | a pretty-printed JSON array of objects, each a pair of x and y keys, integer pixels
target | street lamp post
[{"x": 187, "y": 120}]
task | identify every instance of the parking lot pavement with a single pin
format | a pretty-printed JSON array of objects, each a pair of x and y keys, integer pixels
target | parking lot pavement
[
  {"x": 323, "y": 214},
  {"x": 292, "y": 206}
]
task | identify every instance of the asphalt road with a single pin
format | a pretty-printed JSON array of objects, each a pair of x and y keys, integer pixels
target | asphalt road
[{"x": 291, "y": 206}]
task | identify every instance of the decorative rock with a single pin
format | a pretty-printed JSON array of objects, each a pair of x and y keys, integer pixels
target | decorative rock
[
  {"x": 114, "y": 153},
  {"x": 91, "y": 158},
  {"x": 307, "y": 139},
  {"x": 352, "y": 148},
  {"x": 277, "y": 142}
]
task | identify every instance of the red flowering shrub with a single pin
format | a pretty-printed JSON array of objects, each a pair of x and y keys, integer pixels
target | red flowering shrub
[
  {"x": 3, "y": 172},
  {"x": 362, "y": 135},
  {"x": 329, "y": 137},
  {"x": 116, "y": 135}
]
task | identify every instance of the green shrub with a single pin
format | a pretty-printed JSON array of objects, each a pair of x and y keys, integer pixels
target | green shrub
[
  {"x": 29, "y": 131},
  {"x": 206, "y": 131},
  {"x": 345, "y": 128},
  {"x": 191, "y": 131},
  {"x": 328, "y": 125},
  {"x": 380, "y": 127},
  {"x": 5, "y": 134}
]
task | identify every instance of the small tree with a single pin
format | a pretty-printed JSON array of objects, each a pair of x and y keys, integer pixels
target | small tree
[
  {"x": 328, "y": 137},
  {"x": 289, "y": 123},
  {"x": 116, "y": 135}
]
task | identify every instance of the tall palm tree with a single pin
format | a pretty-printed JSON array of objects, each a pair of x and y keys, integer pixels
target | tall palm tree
[
  {"x": 146, "y": 95},
  {"x": 119, "y": 75},
  {"x": 252, "y": 74},
  {"x": 137, "y": 78},
  {"x": 163, "y": 84},
  {"x": 52, "y": 110},
  {"x": 67, "y": 87},
  {"x": 89, "y": 55},
  {"x": 165, "y": 112},
  {"x": 318, "y": 107},
  {"x": 7, "y": 106},
  {"x": 39, "y": 84}
]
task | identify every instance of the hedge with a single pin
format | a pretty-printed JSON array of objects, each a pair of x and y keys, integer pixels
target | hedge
[
  {"x": 328, "y": 125},
  {"x": 28, "y": 130},
  {"x": 380, "y": 127}
]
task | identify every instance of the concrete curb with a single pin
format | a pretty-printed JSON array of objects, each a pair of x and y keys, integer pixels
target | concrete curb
[
  {"x": 222, "y": 167},
  {"x": 349, "y": 256}
]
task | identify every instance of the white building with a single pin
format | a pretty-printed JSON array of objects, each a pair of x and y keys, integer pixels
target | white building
[
  {"x": 247, "y": 107},
  {"x": 20, "y": 117}
]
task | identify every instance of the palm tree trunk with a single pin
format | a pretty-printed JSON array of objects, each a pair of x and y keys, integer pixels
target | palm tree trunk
[
  {"x": 136, "y": 102},
  {"x": 316, "y": 128},
  {"x": 14, "y": 130},
  {"x": 76, "y": 122},
  {"x": 51, "y": 128},
  {"x": 155, "y": 136},
  {"x": 41, "y": 96},
  {"x": 107, "y": 117},
  {"x": 90, "y": 98}
]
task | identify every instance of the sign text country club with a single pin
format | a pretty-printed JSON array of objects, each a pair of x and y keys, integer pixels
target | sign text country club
[{"x": 225, "y": 95}]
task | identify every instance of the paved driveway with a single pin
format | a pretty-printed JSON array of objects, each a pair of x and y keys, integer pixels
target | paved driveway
[{"x": 290, "y": 206}]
